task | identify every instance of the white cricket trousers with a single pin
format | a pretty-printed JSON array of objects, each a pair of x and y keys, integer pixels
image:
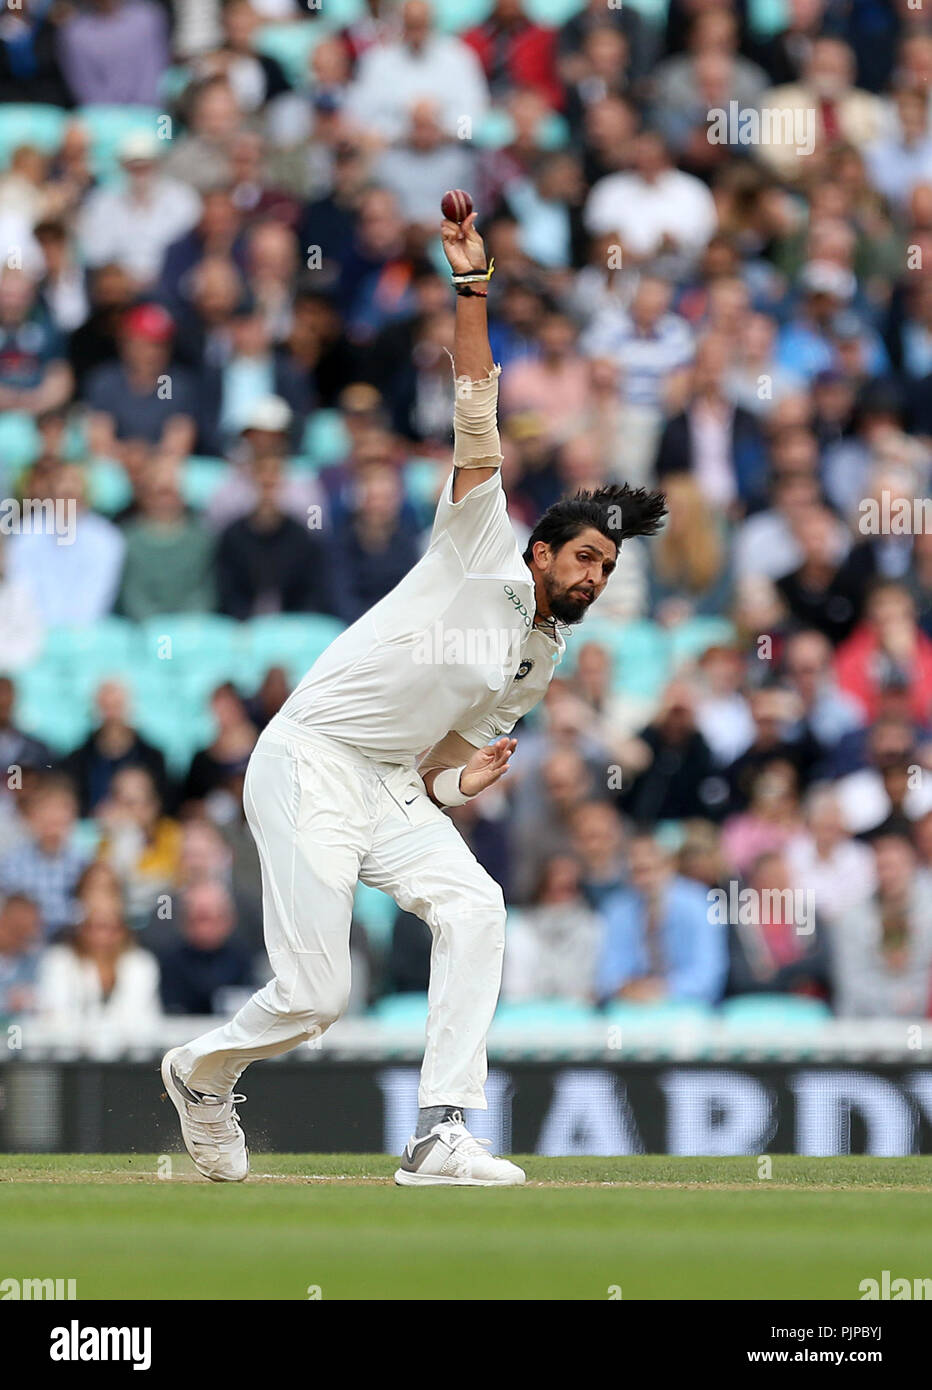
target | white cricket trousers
[{"x": 324, "y": 817}]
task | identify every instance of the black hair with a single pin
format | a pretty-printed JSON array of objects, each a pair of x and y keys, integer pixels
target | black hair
[{"x": 617, "y": 510}]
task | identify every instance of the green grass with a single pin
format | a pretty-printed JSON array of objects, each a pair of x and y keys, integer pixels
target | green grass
[{"x": 657, "y": 1227}]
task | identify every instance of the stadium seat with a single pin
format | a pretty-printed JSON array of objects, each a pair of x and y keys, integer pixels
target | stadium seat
[
  {"x": 109, "y": 127},
  {"x": 540, "y": 1015},
  {"x": 453, "y": 16},
  {"x": 653, "y": 1018},
  {"x": 403, "y": 1010},
  {"x": 690, "y": 639},
  {"x": 109, "y": 489},
  {"x": 292, "y": 640},
  {"x": 190, "y": 638},
  {"x": 639, "y": 651},
  {"x": 775, "y": 1011},
  {"x": 552, "y": 13},
  {"x": 201, "y": 478},
  {"x": 291, "y": 45},
  {"x": 110, "y": 640},
  {"x": 20, "y": 442},
  {"x": 25, "y": 123},
  {"x": 376, "y": 911},
  {"x": 325, "y": 439}
]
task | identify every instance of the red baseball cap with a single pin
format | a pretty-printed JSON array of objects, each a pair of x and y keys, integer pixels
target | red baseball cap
[{"x": 150, "y": 321}]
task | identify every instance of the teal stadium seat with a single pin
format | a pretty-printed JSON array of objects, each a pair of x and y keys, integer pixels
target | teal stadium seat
[
  {"x": 376, "y": 911},
  {"x": 634, "y": 1019},
  {"x": 20, "y": 442},
  {"x": 191, "y": 638},
  {"x": 109, "y": 126},
  {"x": 402, "y": 1010},
  {"x": 775, "y": 1012},
  {"x": 325, "y": 438},
  {"x": 453, "y": 16},
  {"x": 639, "y": 650},
  {"x": 109, "y": 489},
  {"x": 201, "y": 479},
  {"x": 552, "y": 13},
  {"x": 292, "y": 640},
  {"x": 25, "y": 123},
  {"x": 540, "y": 1016},
  {"x": 292, "y": 45},
  {"x": 690, "y": 639}
]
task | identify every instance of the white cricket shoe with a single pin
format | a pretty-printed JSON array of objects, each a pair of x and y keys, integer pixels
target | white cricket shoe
[
  {"x": 210, "y": 1127},
  {"x": 449, "y": 1156}
]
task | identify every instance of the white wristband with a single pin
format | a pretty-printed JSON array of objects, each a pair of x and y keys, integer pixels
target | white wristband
[{"x": 447, "y": 787}]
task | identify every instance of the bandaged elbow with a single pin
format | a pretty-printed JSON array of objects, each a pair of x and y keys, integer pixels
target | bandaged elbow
[{"x": 476, "y": 442}]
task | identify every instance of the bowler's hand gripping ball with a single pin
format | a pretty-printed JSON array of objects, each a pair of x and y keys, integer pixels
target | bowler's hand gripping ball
[{"x": 456, "y": 205}]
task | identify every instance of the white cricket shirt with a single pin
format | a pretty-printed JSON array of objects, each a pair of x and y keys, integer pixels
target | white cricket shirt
[{"x": 452, "y": 647}]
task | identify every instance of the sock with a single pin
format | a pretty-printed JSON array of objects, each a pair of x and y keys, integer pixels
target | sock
[{"x": 430, "y": 1115}]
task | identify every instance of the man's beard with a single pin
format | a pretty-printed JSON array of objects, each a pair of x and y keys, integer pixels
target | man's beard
[{"x": 565, "y": 606}]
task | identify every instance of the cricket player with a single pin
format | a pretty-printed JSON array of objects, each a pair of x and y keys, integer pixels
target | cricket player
[{"x": 339, "y": 788}]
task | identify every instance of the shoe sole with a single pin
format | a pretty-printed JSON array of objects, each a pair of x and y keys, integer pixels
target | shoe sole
[
  {"x": 405, "y": 1179},
  {"x": 177, "y": 1102}
]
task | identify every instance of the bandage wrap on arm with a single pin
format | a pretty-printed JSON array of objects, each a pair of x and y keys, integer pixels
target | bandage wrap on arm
[
  {"x": 446, "y": 787},
  {"x": 476, "y": 442}
]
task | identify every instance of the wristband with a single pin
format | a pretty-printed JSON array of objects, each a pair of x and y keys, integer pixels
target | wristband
[
  {"x": 446, "y": 787},
  {"x": 472, "y": 277}
]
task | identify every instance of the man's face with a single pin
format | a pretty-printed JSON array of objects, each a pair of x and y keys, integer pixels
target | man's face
[{"x": 573, "y": 577}]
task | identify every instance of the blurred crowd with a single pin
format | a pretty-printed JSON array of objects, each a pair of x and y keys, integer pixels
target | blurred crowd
[{"x": 255, "y": 295}]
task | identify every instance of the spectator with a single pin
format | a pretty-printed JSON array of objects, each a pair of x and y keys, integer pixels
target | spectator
[
  {"x": 227, "y": 755},
  {"x": 113, "y": 745},
  {"x": 770, "y": 822},
  {"x": 423, "y": 63},
  {"x": 425, "y": 159},
  {"x": 660, "y": 940},
  {"x": 882, "y": 948},
  {"x": 776, "y": 943},
  {"x": 515, "y": 52},
  {"x": 71, "y": 571},
  {"x": 209, "y": 960},
  {"x": 373, "y": 547},
  {"x": 144, "y": 396},
  {"x": 268, "y": 563},
  {"x": 47, "y": 868},
  {"x": 825, "y": 714},
  {"x": 826, "y": 861},
  {"x": 19, "y": 954},
  {"x": 689, "y": 571},
  {"x": 717, "y": 443},
  {"x": 115, "y": 52},
  {"x": 139, "y": 843},
  {"x": 824, "y": 593},
  {"x": 598, "y": 843},
  {"x": 829, "y": 106},
  {"x": 133, "y": 224},
  {"x": 203, "y": 157},
  {"x": 264, "y": 445},
  {"x": 29, "y": 66},
  {"x": 97, "y": 986},
  {"x": 168, "y": 563},
  {"x": 673, "y": 770},
  {"x": 888, "y": 642},
  {"x": 552, "y": 948},
  {"x": 653, "y": 211},
  {"x": 34, "y": 374}
]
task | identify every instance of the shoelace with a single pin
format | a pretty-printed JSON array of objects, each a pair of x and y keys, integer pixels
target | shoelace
[
  {"x": 211, "y": 1125},
  {"x": 469, "y": 1144}
]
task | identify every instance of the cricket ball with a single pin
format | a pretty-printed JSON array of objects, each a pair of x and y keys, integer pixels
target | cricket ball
[{"x": 456, "y": 204}]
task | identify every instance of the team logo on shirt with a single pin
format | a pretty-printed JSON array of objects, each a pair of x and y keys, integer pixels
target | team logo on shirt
[
  {"x": 523, "y": 669},
  {"x": 519, "y": 606}
]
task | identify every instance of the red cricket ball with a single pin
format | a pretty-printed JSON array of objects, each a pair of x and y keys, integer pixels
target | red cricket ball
[{"x": 456, "y": 204}]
